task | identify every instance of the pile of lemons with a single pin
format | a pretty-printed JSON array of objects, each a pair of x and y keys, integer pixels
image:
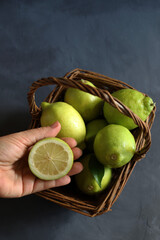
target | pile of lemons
[{"x": 104, "y": 134}]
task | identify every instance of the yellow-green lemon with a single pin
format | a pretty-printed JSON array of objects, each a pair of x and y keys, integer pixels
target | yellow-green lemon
[
  {"x": 92, "y": 128},
  {"x": 114, "y": 146},
  {"x": 88, "y": 105},
  {"x": 141, "y": 105},
  {"x": 94, "y": 177},
  {"x": 72, "y": 124}
]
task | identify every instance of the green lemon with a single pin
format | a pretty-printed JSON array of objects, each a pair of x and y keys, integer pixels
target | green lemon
[
  {"x": 114, "y": 146},
  {"x": 92, "y": 128},
  {"x": 86, "y": 180},
  {"x": 72, "y": 124},
  {"x": 88, "y": 105},
  {"x": 141, "y": 105}
]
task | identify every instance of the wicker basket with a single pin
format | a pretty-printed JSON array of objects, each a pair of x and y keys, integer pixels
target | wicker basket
[{"x": 68, "y": 196}]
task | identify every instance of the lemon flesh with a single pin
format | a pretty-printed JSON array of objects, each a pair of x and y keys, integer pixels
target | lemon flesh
[
  {"x": 88, "y": 105},
  {"x": 87, "y": 183},
  {"x": 114, "y": 146},
  {"x": 50, "y": 159},
  {"x": 139, "y": 104},
  {"x": 72, "y": 124}
]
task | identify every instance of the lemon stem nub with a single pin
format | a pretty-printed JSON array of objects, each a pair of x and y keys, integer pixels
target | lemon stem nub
[
  {"x": 113, "y": 157},
  {"x": 44, "y": 105}
]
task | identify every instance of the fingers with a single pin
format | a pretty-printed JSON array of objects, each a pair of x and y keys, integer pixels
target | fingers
[
  {"x": 30, "y": 137},
  {"x": 70, "y": 141},
  {"x": 41, "y": 185},
  {"x": 77, "y": 168},
  {"x": 77, "y": 152}
]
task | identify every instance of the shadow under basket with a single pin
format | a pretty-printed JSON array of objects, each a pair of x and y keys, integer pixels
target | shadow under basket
[{"x": 68, "y": 196}]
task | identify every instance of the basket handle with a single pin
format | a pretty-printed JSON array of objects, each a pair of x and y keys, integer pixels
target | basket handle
[
  {"x": 33, "y": 108},
  {"x": 104, "y": 94},
  {"x": 60, "y": 83}
]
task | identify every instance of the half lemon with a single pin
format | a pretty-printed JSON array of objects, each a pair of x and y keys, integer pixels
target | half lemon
[{"x": 50, "y": 159}]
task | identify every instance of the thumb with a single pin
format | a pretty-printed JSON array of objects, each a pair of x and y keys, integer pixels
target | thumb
[{"x": 30, "y": 137}]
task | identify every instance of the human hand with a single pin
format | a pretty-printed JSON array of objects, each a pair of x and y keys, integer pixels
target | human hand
[{"x": 16, "y": 179}]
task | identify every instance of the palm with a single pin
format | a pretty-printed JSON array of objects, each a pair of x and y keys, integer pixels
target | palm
[{"x": 17, "y": 181}]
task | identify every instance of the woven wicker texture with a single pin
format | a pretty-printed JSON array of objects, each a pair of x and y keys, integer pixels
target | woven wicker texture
[{"x": 69, "y": 196}]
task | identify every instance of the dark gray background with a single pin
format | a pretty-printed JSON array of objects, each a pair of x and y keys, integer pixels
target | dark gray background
[{"x": 120, "y": 39}]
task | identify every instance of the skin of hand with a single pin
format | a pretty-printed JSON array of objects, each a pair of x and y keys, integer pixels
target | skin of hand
[{"x": 16, "y": 179}]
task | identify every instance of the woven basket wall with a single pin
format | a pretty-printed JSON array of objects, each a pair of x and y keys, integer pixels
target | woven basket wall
[{"x": 68, "y": 196}]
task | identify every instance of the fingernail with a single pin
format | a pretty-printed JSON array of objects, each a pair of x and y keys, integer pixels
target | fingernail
[{"x": 54, "y": 125}]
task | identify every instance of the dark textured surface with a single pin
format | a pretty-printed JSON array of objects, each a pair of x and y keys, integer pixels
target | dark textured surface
[{"x": 120, "y": 39}]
